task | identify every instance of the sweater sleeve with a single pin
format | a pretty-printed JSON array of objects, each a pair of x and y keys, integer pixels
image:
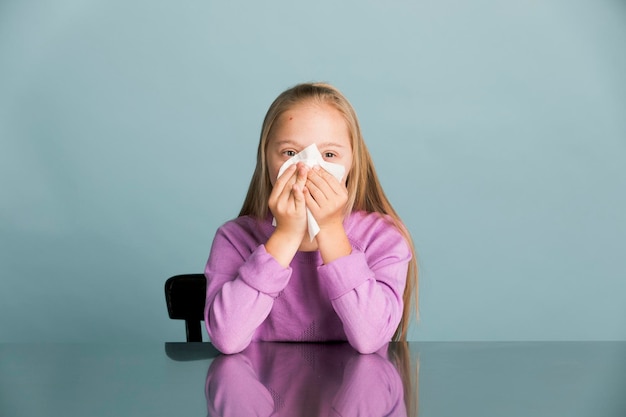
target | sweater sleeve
[
  {"x": 242, "y": 283},
  {"x": 366, "y": 289}
]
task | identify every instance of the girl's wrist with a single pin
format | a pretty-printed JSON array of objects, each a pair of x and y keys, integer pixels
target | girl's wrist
[
  {"x": 333, "y": 243},
  {"x": 282, "y": 246}
]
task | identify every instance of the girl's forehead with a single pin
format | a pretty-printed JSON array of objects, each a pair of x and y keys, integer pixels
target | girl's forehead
[
  {"x": 311, "y": 116},
  {"x": 307, "y": 122}
]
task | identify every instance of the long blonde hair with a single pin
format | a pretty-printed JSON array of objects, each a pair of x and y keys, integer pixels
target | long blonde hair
[{"x": 364, "y": 189}]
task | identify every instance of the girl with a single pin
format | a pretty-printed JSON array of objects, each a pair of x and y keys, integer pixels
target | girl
[{"x": 353, "y": 281}]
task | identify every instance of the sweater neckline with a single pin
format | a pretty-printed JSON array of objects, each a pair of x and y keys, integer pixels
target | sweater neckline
[{"x": 312, "y": 257}]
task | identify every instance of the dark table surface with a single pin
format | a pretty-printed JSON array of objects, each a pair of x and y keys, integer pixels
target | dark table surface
[{"x": 292, "y": 379}]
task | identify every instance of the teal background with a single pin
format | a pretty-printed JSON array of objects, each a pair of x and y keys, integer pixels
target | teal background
[{"x": 129, "y": 129}]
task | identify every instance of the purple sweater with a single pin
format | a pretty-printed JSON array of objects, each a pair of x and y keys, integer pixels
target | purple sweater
[{"x": 358, "y": 298}]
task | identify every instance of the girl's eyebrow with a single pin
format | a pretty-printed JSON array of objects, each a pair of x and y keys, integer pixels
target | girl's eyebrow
[
  {"x": 284, "y": 142},
  {"x": 330, "y": 145}
]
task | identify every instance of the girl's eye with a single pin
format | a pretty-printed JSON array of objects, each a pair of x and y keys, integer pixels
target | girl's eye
[
  {"x": 329, "y": 155},
  {"x": 290, "y": 153}
]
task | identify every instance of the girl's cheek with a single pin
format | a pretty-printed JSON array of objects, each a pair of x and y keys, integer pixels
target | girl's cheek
[{"x": 273, "y": 176}]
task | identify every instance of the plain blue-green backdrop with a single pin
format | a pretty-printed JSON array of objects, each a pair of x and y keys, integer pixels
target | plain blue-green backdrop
[{"x": 129, "y": 130}]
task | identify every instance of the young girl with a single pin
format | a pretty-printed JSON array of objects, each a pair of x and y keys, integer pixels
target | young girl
[{"x": 268, "y": 280}]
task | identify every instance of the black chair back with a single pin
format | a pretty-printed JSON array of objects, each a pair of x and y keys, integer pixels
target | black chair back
[{"x": 185, "y": 296}]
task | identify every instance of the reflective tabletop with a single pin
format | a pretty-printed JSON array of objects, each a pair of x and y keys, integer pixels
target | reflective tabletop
[{"x": 293, "y": 379}]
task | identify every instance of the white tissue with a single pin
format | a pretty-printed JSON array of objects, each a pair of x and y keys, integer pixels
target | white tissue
[{"x": 311, "y": 157}]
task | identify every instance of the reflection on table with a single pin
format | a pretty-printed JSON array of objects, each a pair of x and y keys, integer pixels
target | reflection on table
[
  {"x": 290, "y": 379},
  {"x": 486, "y": 379}
]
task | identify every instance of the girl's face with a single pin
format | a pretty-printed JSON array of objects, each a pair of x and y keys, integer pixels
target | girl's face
[{"x": 304, "y": 124}]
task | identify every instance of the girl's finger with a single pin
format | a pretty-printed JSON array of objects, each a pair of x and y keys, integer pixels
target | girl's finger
[
  {"x": 326, "y": 177},
  {"x": 315, "y": 191},
  {"x": 288, "y": 178},
  {"x": 298, "y": 186},
  {"x": 310, "y": 201},
  {"x": 284, "y": 178},
  {"x": 318, "y": 185},
  {"x": 282, "y": 187},
  {"x": 301, "y": 174},
  {"x": 298, "y": 196}
]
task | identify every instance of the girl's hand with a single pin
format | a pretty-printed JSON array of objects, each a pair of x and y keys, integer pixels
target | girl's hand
[
  {"x": 286, "y": 200},
  {"x": 287, "y": 204},
  {"x": 326, "y": 197}
]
